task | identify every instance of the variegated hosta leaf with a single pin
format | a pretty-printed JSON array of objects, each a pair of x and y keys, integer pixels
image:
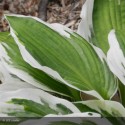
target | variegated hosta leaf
[
  {"x": 105, "y": 108},
  {"x": 116, "y": 58},
  {"x": 14, "y": 62},
  {"x": 113, "y": 113},
  {"x": 122, "y": 93},
  {"x": 99, "y": 17},
  {"x": 111, "y": 110},
  {"x": 116, "y": 54},
  {"x": 63, "y": 55},
  {"x": 10, "y": 82},
  {"x": 33, "y": 103}
]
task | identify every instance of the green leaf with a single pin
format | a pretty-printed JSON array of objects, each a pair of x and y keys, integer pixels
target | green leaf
[
  {"x": 116, "y": 58},
  {"x": 105, "y": 108},
  {"x": 34, "y": 107},
  {"x": 111, "y": 110},
  {"x": 33, "y": 103},
  {"x": 9, "y": 82},
  {"x": 16, "y": 65},
  {"x": 101, "y": 16},
  {"x": 75, "y": 61},
  {"x": 122, "y": 93}
]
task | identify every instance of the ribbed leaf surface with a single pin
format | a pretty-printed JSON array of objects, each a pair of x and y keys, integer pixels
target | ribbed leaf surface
[
  {"x": 99, "y": 17},
  {"x": 17, "y": 66},
  {"x": 74, "y": 59}
]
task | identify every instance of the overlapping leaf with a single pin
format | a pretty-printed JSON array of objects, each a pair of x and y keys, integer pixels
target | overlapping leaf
[
  {"x": 75, "y": 61},
  {"x": 10, "y": 82},
  {"x": 33, "y": 103},
  {"x": 17, "y": 66},
  {"x": 116, "y": 57},
  {"x": 99, "y": 18},
  {"x": 105, "y": 108},
  {"x": 111, "y": 110}
]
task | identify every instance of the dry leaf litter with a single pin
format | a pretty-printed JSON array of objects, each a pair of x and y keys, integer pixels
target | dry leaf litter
[{"x": 66, "y": 12}]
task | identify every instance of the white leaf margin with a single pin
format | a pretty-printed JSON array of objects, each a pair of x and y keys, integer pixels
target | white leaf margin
[
  {"x": 6, "y": 61},
  {"x": 86, "y": 26},
  {"x": 38, "y": 96},
  {"x": 5, "y": 109},
  {"x": 9, "y": 82},
  {"x": 111, "y": 107},
  {"x": 30, "y": 60},
  {"x": 115, "y": 57}
]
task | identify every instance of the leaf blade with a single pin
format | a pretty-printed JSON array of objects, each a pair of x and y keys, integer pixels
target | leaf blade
[
  {"x": 100, "y": 20},
  {"x": 17, "y": 66},
  {"x": 56, "y": 51}
]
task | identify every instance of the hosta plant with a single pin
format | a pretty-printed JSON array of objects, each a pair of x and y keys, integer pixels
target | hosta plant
[{"x": 48, "y": 70}]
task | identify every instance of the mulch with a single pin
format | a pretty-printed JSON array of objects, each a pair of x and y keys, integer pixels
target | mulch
[{"x": 66, "y": 12}]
